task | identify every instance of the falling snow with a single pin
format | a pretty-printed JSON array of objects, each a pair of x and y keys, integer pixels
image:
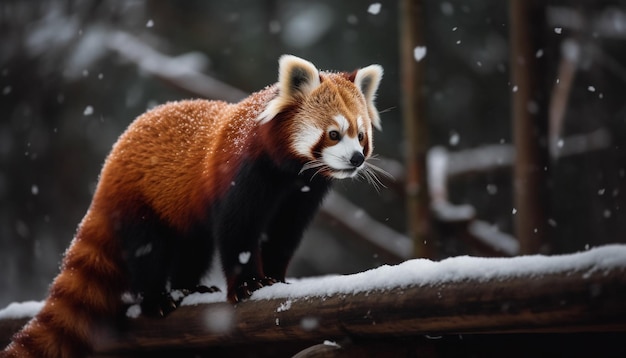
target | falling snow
[
  {"x": 274, "y": 27},
  {"x": 220, "y": 319},
  {"x": 455, "y": 138},
  {"x": 244, "y": 257},
  {"x": 309, "y": 323},
  {"x": 447, "y": 8},
  {"x": 133, "y": 311},
  {"x": 143, "y": 250},
  {"x": 419, "y": 53},
  {"x": 374, "y": 8}
]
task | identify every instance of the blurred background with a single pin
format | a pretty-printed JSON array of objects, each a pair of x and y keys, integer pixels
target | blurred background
[{"x": 74, "y": 74}]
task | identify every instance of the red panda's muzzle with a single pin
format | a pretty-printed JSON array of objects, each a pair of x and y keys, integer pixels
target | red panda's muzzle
[{"x": 357, "y": 159}]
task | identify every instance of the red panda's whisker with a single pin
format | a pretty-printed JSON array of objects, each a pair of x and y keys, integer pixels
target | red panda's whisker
[
  {"x": 311, "y": 165},
  {"x": 323, "y": 167},
  {"x": 387, "y": 110},
  {"x": 372, "y": 179},
  {"x": 378, "y": 169}
]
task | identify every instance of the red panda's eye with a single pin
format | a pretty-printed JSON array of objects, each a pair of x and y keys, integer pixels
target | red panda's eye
[
  {"x": 361, "y": 136},
  {"x": 334, "y": 135}
]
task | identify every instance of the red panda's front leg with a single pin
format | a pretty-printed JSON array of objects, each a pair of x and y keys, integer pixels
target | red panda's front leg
[
  {"x": 284, "y": 231},
  {"x": 257, "y": 243},
  {"x": 244, "y": 273},
  {"x": 241, "y": 257},
  {"x": 239, "y": 220}
]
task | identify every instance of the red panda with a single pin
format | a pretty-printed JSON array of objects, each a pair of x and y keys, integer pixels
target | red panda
[{"x": 191, "y": 177}]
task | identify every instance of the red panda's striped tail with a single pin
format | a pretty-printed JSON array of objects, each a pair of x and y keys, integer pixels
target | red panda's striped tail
[{"x": 82, "y": 299}]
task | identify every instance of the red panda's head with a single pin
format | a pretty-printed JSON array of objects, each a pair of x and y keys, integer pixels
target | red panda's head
[{"x": 326, "y": 119}]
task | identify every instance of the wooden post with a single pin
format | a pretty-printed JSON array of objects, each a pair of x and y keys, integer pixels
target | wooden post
[
  {"x": 415, "y": 128},
  {"x": 529, "y": 113}
]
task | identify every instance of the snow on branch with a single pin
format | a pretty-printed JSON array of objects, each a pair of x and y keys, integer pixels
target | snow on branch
[
  {"x": 180, "y": 71},
  {"x": 492, "y": 238},
  {"x": 357, "y": 221},
  {"x": 442, "y": 165},
  {"x": 609, "y": 23}
]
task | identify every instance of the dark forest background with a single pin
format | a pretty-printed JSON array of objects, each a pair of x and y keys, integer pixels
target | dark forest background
[{"x": 69, "y": 86}]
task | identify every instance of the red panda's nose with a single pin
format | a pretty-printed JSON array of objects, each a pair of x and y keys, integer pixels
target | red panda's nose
[{"x": 357, "y": 159}]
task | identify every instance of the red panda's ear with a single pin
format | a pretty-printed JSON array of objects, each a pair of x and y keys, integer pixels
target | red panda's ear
[
  {"x": 296, "y": 79},
  {"x": 367, "y": 80},
  {"x": 296, "y": 76}
]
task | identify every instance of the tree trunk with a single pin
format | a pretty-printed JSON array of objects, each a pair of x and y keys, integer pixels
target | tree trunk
[
  {"x": 530, "y": 122},
  {"x": 415, "y": 128}
]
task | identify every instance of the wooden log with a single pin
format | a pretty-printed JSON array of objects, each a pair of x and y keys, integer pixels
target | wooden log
[
  {"x": 586, "y": 299},
  {"x": 576, "y": 293}
]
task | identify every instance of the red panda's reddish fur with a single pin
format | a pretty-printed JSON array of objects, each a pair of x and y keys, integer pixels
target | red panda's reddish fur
[{"x": 171, "y": 163}]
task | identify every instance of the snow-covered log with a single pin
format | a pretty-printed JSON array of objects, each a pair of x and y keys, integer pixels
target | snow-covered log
[
  {"x": 579, "y": 292},
  {"x": 583, "y": 292}
]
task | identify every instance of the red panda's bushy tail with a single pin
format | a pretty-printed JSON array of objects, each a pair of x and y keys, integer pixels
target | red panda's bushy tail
[{"x": 81, "y": 300}]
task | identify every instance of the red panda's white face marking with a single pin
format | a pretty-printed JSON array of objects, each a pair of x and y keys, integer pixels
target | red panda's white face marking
[
  {"x": 328, "y": 117},
  {"x": 345, "y": 156},
  {"x": 305, "y": 138}
]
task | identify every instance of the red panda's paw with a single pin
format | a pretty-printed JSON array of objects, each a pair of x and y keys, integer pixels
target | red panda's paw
[
  {"x": 268, "y": 281},
  {"x": 206, "y": 289},
  {"x": 165, "y": 303},
  {"x": 245, "y": 289},
  {"x": 180, "y": 293},
  {"x": 159, "y": 305}
]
